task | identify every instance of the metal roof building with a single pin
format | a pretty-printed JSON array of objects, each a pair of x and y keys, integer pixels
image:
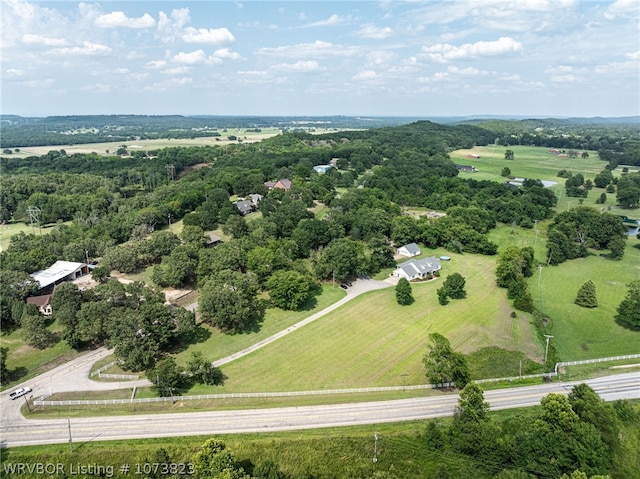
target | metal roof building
[{"x": 58, "y": 272}]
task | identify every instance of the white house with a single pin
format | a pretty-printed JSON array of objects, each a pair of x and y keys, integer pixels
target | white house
[
  {"x": 322, "y": 168},
  {"x": 409, "y": 250},
  {"x": 417, "y": 268}
]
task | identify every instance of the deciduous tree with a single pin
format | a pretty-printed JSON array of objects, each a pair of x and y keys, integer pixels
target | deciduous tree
[
  {"x": 443, "y": 365},
  {"x": 229, "y": 301},
  {"x": 288, "y": 289}
]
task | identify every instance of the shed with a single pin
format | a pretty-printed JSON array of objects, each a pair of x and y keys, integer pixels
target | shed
[
  {"x": 409, "y": 250},
  {"x": 58, "y": 272}
]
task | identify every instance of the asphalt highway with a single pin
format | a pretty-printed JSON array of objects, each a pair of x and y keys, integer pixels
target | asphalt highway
[{"x": 51, "y": 431}]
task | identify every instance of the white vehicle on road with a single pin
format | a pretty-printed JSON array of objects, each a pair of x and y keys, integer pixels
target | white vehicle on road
[{"x": 19, "y": 392}]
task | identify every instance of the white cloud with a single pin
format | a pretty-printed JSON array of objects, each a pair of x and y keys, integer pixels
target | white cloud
[
  {"x": 170, "y": 26},
  {"x": 454, "y": 73},
  {"x": 469, "y": 71},
  {"x": 119, "y": 19},
  {"x": 443, "y": 52},
  {"x": 569, "y": 78},
  {"x": 631, "y": 65},
  {"x": 98, "y": 88},
  {"x": 191, "y": 58},
  {"x": 334, "y": 19},
  {"x": 181, "y": 81},
  {"x": 14, "y": 72},
  {"x": 318, "y": 49},
  {"x": 380, "y": 57},
  {"x": 633, "y": 55},
  {"x": 214, "y": 36},
  {"x": 365, "y": 75},
  {"x": 156, "y": 64},
  {"x": 299, "y": 66},
  {"x": 87, "y": 49},
  {"x": 559, "y": 69},
  {"x": 225, "y": 53},
  {"x": 376, "y": 33},
  {"x": 622, "y": 8},
  {"x": 32, "y": 39},
  {"x": 254, "y": 73},
  {"x": 121, "y": 71},
  {"x": 176, "y": 70},
  {"x": 43, "y": 83}
]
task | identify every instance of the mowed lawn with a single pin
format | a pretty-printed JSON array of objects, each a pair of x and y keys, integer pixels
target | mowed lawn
[
  {"x": 529, "y": 162},
  {"x": 373, "y": 341},
  {"x": 582, "y": 333},
  {"x": 216, "y": 345}
]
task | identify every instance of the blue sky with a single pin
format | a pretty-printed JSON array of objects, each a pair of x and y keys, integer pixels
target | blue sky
[{"x": 388, "y": 58}]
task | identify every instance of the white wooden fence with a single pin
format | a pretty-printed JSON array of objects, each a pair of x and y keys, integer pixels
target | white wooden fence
[
  {"x": 87, "y": 402},
  {"x": 101, "y": 375}
]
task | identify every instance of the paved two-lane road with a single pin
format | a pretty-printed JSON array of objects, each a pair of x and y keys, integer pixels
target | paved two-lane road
[{"x": 51, "y": 431}]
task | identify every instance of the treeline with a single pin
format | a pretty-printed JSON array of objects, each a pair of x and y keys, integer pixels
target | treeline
[{"x": 16, "y": 131}]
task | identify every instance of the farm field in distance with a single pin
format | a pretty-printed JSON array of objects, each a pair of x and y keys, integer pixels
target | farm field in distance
[
  {"x": 529, "y": 162},
  {"x": 147, "y": 145}
]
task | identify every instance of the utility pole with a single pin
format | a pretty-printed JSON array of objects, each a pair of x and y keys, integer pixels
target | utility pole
[
  {"x": 375, "y": 447},
  {"x": 404, "y": 375},
  {"x": 34, "y": 216},
  {"x": 546, "y": 349},
  {"x": 70, "y": 442}
]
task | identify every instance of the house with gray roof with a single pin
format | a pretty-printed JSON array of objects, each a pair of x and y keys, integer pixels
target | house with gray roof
[
  {"x": 417, "y": 268},
  {"x": 409, "y": 250},
  {"x": 245, "y": 207}
]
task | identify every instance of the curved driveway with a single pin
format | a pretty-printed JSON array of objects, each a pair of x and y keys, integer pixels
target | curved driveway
[{"x": 74, "y": 375}]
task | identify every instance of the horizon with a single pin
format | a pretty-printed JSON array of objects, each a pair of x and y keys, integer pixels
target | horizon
[
  {"x": 481, "y": 116},
  {"x": 422, "y": 59}
]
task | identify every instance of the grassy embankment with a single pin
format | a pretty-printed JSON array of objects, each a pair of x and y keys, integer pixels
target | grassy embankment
[{"x": 320, "y": 453}]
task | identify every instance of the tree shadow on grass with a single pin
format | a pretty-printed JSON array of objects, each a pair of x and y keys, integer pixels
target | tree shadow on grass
[
  {"x": 199, "y": 334},
  {"x": 627, "y": 325},
  {"x": 14, "y": 375}
]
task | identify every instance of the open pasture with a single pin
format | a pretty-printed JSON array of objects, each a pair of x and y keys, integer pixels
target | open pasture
[
  {"x": 147, "y": 145},
  {"x": 373, "y": 341},
  {"x": 529, "y": 162},
  {"x": 583, "y": 333}
]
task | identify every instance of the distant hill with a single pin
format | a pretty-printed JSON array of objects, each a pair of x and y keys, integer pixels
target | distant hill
[{"x": 17, "y": 131}]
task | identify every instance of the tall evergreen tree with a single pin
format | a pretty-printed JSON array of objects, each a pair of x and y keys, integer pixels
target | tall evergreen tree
[
  {"x": 629, "y": 308},
  {"x": 587, "y": 295},
  {"x": 404, "y": 294}
]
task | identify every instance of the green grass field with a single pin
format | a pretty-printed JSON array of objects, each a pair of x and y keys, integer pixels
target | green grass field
[
  {"x": 582, "y": 333},
  {"x": 372, "y": 341},
  {"x": 215, "y": 345},
  {"x": 529, "y": 162},
  {"x": 10, "y": 229},
  {"x": 146, "y": 145}
]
